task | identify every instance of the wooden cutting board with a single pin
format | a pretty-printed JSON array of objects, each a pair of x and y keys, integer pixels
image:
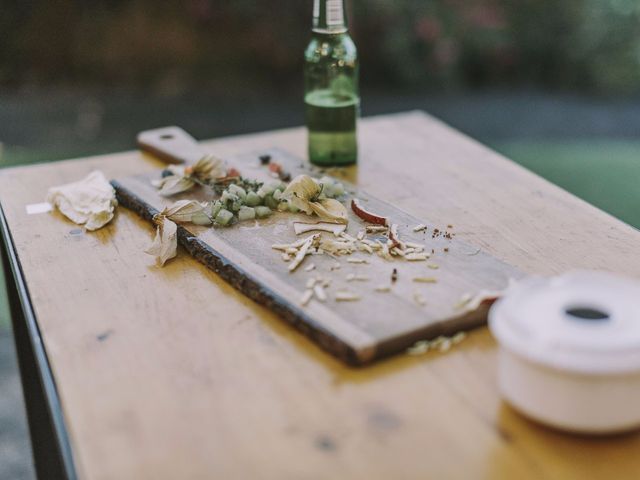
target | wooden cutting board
[{"x": 359, "y": 332}]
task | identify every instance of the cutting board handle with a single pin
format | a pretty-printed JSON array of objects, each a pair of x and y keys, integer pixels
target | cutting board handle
[{"x": 171, "y": 145}]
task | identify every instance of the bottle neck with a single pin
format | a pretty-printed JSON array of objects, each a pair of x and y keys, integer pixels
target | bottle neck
[{"x": 329, "y": 16}]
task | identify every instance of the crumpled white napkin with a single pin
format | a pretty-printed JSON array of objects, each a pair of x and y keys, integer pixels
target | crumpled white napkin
[{"x": 90, "y": 202}]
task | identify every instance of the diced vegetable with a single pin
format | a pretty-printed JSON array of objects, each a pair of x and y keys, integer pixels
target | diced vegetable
[
  {"x": 327, "y": 186},
  {"x": 215, "y": 208},
  {"x": 271, "y": 202},
  {"x": 228, "y": 196},
  {"x": 277, "y": 195},
  {"x": 201, "y": 218},
  {"x": 253, "y": 199},
  {"x": 331, "y": 188},
  {"x": 246, "y": 213},
  {"x": 224, "y": 217},
  {"x": 236, "y": 206},
  {"x": 237, "y": 190},
  {"x": 338, "y": 189},
  {"x": 263, "y": 212},
  {"x": 270, "y": 188}
]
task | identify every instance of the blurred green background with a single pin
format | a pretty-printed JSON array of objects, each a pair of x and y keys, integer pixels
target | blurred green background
[
  {"x": 202, "y": 44},
  {"x": 553, "y": 84}
]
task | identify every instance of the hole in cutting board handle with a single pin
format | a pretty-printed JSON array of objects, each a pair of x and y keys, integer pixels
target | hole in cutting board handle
[
  {"x": 166, "y": 136},
  {"x": 584, "y": 313}
]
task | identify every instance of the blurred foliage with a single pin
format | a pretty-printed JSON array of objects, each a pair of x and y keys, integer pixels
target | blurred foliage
[{"x": 174, "y": 44}]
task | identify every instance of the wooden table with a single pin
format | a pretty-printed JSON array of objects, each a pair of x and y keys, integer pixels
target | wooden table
[{"x": 173, "y": 374}]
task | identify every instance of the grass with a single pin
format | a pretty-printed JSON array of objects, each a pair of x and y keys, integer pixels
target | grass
[{"x": 604, "y": 173}]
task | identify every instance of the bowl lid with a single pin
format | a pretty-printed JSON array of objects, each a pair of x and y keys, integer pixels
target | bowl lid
[{"x": 584, "y": 321}]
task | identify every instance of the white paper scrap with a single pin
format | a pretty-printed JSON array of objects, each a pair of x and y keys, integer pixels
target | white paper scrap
[{"x": 36, "y": 208}]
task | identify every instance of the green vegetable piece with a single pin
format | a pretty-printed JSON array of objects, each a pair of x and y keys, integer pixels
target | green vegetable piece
[
  {"x": 236, "y": 206},
  {"x": 201, "y": 218},
  {"x": 338, "y": 189},
  {"x": 292, "y": 208},
  {"x": 238, "y": 190},
  {"x": 252, "y": 200},
  {"x": 331, "y": 188},
  {"x": 246, "y": 213},
  {"x": 263, "y": 212},
  {"x": 224, "y": 217},
  {"x": 215, "y": 208},
  {"x": 266, "y": 190},
  {"x": 228, "y": 196},
  {"x": 277, "y": 195},
  {"x": 271, "y": 202}
]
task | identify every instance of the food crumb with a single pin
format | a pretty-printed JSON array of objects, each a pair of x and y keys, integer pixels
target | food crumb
[
  {"x": 318, "y": 290},
  {"x": 345, "y": 296},
  {"x": 419, "y": 298},
  {"x": 419, "y": 348},
  {"x": 445, "y": 345},
  {"x": 359, "y": 278},
  {"x": 357, "y": 260},
  {"x": 394, "y": 275},
  {"x": 416, "y": 257},
  {"x": 442, "y": 344},
  {"x": 458, "y": 337},
  {"x": 425, "y": 280},
  {"x": 306, "y": 297}
]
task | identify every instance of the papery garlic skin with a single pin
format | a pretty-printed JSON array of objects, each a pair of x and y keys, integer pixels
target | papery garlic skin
[
  {"x": 90, "y": 202},
  {"x": 165, "y": 243},
  {"x": 303, "y": 192}
]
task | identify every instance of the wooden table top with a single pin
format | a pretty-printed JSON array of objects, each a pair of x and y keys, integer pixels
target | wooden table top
[{"x": 170, "y": 373}]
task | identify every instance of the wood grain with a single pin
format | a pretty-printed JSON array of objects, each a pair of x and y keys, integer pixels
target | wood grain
[
  {"x": 173, "y": 374},
  {"x": 360, "y": 332}
]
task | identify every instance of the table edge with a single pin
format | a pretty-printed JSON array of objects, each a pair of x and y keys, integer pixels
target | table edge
[{"x": 49, "y": 388}]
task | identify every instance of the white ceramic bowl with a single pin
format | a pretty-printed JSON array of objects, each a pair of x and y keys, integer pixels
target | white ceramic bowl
[{"x": 570, "y": 350}]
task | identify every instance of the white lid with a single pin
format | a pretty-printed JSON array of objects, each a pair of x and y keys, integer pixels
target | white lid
[{"x": 585, "y": 322}]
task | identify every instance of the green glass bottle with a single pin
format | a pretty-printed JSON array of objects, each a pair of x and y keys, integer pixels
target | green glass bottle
[{"x": 332, "y": 100}]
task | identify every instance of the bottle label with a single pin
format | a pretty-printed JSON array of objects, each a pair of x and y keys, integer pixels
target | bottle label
[{"x": 335, "y": 13}]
